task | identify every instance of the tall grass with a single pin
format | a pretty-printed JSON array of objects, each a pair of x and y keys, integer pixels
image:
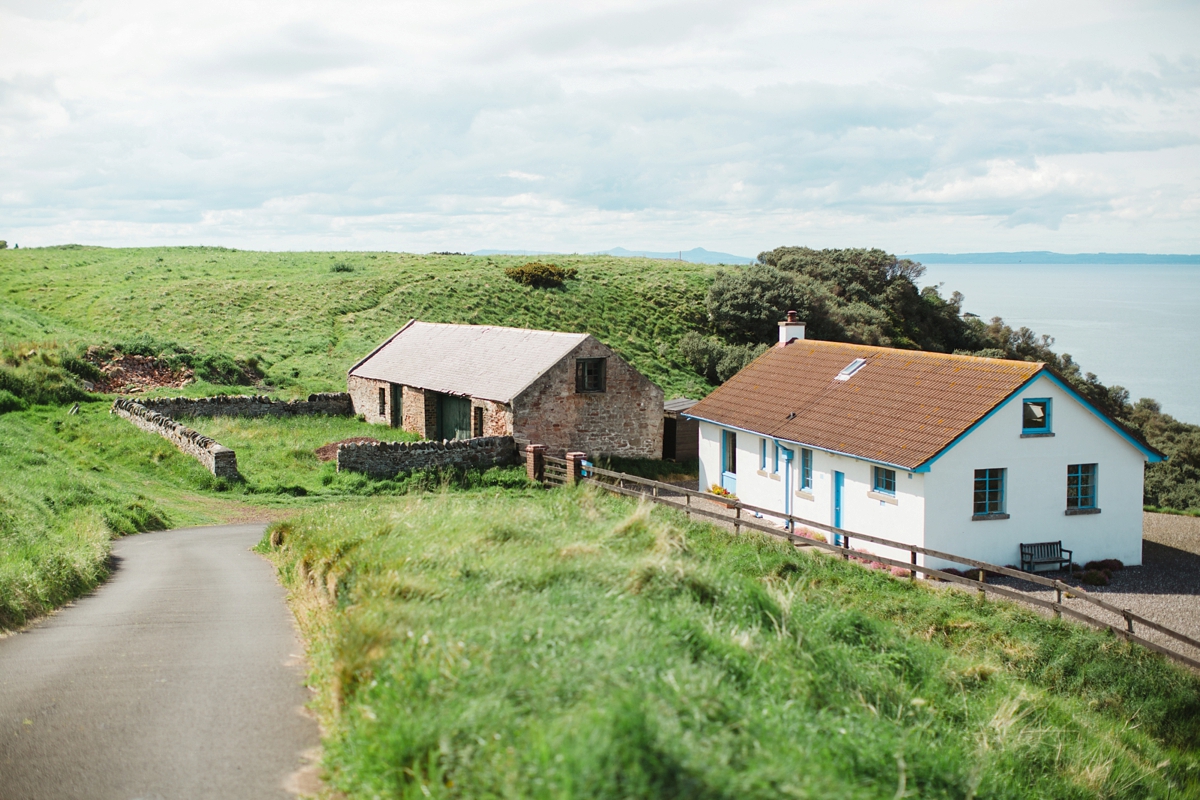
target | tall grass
[
  {"x": 565, "y": 644},
  {"x": 65, "y": 490}
]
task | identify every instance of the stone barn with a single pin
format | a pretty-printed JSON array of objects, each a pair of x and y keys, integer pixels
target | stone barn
[{"x": 567, "y": 391}]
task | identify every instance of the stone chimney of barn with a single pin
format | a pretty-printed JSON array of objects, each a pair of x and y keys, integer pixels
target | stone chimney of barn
[{"x": 790, "y": 328}]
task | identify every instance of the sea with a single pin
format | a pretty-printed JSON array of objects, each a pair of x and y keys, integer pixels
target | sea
[{"x": 1136, "y": 325}]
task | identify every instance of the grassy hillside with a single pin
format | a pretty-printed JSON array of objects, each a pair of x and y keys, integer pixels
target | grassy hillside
[
  {"x": 310, "y": 316},
  {"x": 70, "y": 482},
  {"x": 566, "y": 644}
]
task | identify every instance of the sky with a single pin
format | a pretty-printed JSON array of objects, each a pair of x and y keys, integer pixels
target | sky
[{"x": 739, "y": 127}]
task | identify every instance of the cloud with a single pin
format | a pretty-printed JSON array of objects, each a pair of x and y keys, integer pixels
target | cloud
[{"x": 732, "y": 126}]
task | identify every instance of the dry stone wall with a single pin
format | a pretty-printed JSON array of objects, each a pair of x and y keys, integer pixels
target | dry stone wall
[
  {"x": 218, "y": 459},
  {"x": 388, "y": 459},
  {"x": 332, "y": 404}
]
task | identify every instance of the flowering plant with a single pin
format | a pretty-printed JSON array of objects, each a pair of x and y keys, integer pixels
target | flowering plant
[{"x": 721, "y": 491}]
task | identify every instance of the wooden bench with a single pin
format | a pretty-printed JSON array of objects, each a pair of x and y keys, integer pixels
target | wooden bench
[{"x": 1036, "y": 554}]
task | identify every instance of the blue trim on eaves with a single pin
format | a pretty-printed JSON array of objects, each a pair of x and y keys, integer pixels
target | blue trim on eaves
[
  {"x": 1151, "y": 455},
  {"x": 928, "y": 464}
]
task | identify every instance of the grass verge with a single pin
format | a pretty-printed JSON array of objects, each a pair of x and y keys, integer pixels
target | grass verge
[{"x": 568, "y": 644}]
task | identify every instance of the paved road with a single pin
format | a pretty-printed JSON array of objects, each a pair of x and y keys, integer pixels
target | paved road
[{"x": 179, "y": 678}]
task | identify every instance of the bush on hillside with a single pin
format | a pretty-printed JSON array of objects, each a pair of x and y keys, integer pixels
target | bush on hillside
[
  {"x": 218, "y": 368},
  {"x": 715, "y": 360},
  {"x": 541, "y": 276},
  {"x": 10, "y": 402},
  {"x": 341, "y": 266},
  {"x": 35, "y": 375}
]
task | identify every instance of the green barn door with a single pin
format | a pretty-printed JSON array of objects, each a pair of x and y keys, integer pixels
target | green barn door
[{"x": 453, "y": 417}]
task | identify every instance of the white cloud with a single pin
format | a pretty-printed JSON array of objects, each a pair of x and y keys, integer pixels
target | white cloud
[{"x": 544, "y": 125}]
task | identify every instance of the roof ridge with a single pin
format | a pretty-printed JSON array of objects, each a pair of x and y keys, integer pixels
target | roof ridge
[
  {"x": 924, "y": 353},
  {"x": 498, "y": 327}
]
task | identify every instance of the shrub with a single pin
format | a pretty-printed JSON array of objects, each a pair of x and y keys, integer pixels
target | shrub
[
  {"x": 10, "y": 402},
  {"x": 541, "y": 276},
  {"x": 3, "y": 245},
  {"x": 1105, "y": 565},
  {"x": 341, "y": 266},
  {"x": 715, "y": 360},
  {"x": 1095, "y": 577}
]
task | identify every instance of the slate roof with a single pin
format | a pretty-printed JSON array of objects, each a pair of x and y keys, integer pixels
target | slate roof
[
  {"x": 678, "y": 405},
  {"x": 902, "y": 407},
  {"x": 483, "y": 361}
]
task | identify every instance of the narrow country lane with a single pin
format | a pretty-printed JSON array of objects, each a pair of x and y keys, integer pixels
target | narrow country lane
[{"x": 180, "y": 678}]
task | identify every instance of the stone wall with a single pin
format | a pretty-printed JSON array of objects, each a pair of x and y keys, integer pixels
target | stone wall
[
  {"x": 219, "y": 460},
  {"x": 625, "y": 420},
  {"x": 364, "y": 399},
  {"x": 387, "y": 459},
  {"x": 497, "y": 417},
  {"x": 337, "y": 405}
]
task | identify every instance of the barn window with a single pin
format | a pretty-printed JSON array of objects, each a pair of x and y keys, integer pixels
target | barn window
[
  {"x": 590, "y": 374},
  {"x": 477, "y": 421},
  {"x": 382, "y": 401}
]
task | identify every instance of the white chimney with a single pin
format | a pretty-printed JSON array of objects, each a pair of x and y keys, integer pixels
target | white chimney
[{"x": 791, "y": 328}]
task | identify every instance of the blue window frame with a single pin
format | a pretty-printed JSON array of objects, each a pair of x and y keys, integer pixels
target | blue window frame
[
  {"x": 1081, "y": 486},
  {"x": 883, "y": 480},
  {"x": 1035, "y": 415},
  {"x": 805, "y": 469},
  {"x": 762, "y": 454},
  {"x": 989, "y": 491},
  {"x": 775, "y": 460}
]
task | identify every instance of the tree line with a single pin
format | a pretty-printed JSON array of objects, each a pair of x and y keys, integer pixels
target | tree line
[{"x": 869, "y": 296}]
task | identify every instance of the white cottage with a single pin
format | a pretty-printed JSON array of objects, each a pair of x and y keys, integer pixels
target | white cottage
[{"x": 971, "y": 456}]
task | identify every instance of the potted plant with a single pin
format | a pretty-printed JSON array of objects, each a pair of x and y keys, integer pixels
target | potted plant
[{"x": 725, "y": 495}]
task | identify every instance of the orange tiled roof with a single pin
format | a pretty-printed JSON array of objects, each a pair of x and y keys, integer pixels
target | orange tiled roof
[{"x": 903, "y": 407}]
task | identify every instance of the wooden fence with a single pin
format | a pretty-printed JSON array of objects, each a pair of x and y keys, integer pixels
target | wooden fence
[{"x": 558, "y": 472}]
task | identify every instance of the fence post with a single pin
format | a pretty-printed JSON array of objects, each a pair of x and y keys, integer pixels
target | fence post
[
  {"x": 575, "y": 467},
  {"x": 845, "y": 547},
  {"x": 737, "y": 521},
  {"x": 912, "y": 573},
  {"x": 535, "y": 462}
]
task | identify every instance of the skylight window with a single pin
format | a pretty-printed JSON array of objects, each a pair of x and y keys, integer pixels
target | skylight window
[{"x": 851, "y": 368}]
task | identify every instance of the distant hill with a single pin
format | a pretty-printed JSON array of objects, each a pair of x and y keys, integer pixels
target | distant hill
[
  {"x": 1046, "y": 257},
  {"x": 697, "y": 255}
]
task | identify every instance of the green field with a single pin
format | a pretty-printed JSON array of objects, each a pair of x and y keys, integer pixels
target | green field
[
  {"x": 566, "y": 644},
  {"x": 308, "y": 323}
]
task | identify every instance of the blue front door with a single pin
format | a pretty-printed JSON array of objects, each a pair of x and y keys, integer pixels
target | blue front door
[
  {"x": 839, "y": 487},
  {"x": 729, "y": 461}
]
